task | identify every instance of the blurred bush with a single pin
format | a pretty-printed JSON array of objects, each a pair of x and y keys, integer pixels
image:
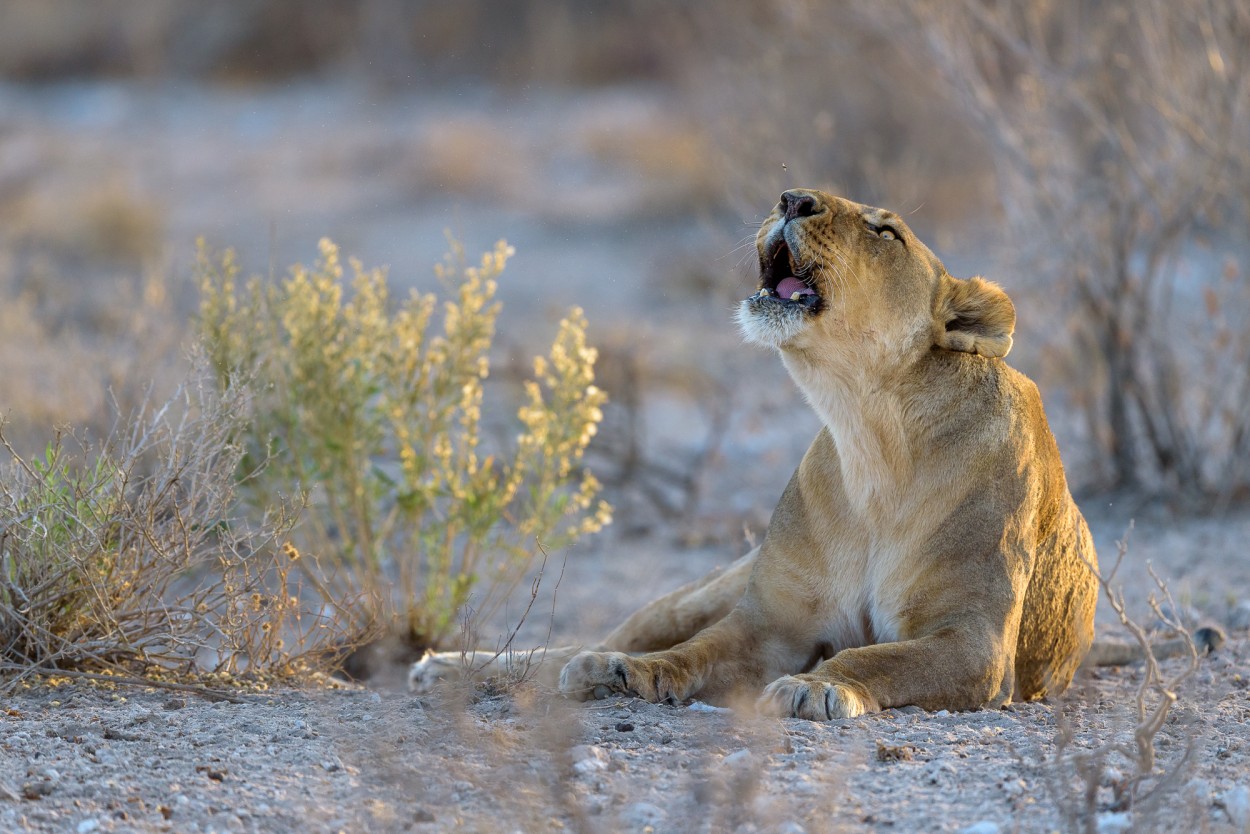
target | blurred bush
[
  {"x": 377, "y": 421},
  {"x": 401, "y": 41},
  {"x": 1120, "y": 139}
]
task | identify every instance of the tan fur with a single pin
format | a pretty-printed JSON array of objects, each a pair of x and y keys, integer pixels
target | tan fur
[{"x": 926, "y": 551}]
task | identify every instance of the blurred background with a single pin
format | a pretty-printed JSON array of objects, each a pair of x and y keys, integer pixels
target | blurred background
[{"x": 1091, "y": 158}]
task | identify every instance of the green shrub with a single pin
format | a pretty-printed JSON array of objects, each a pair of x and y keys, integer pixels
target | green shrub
[{"x": 376, "y": 419}]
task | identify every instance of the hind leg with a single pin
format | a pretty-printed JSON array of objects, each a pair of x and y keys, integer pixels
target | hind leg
[{"x": 660, "y": 624}]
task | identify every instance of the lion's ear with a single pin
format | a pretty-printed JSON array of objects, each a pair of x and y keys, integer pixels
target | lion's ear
[{"x": 973, "y": 316}]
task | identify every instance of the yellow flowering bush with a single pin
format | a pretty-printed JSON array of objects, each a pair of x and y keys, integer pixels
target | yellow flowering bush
[{"x": 376, "y": 417}]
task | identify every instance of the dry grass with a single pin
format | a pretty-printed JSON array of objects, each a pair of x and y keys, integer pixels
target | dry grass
[
  {"x": 1122, "y": 773},
  {"x": 128, "y": 557}
]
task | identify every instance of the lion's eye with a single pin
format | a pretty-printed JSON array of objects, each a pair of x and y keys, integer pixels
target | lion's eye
[{"x": 886, "y": 233}]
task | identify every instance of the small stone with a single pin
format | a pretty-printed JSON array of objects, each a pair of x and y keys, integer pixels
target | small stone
[
  {"x": 87, "y": 825},
  {"x": 790, "y": 827},
  {"x": 890, "y": 753},
  {"x": 1236, "y": 803},
  {"x": 589, "y": 759},
  {"x": 422, "y": 815},
  {"x": 332, "y": 765},
  {"x": 699, "y": 706},
  {"x": 737, "y": 758},
  {"x": 982, "y": 827},
  {"x": 1114, "y": 822},
  {"x": 624, "y": 727},
  {"x": 37, "y": 790}
]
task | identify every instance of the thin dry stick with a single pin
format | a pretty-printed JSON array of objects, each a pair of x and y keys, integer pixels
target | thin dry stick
[
  {"x": 1149, "y": 720},
  {"x": 506, "y": 649}
]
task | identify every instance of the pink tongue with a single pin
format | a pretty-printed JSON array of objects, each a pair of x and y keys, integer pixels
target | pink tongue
[{"x": 789, "y": 285}]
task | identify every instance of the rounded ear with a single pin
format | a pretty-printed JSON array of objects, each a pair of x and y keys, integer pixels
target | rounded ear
[{"x": 973, "y": 316}]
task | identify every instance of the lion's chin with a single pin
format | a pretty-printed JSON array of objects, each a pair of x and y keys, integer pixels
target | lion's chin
[{"x": 769, "y": 324}]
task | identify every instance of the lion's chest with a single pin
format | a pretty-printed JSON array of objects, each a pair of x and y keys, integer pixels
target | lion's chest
[{"x": 861, "y": 600}]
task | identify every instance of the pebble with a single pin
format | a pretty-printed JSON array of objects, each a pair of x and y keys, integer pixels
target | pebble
[
  {"x": 982, "y": 827},
  {"x": 87, "y": 825},
  {"x": 699, "y": 706},
  {"x": 1236, "y": 802},
  {"x": 790, "y": 827},
  {"x": 1111, "y": 822},
  {"x": 589, "y": 759}
]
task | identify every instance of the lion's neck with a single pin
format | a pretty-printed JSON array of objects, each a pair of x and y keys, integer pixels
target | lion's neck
[{"x": 868, "y": 423}]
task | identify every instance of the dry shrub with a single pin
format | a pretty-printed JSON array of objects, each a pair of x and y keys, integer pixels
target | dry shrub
[
  {"x": 129, "y": 556},
  {"x": 110, "y": 220},
  {"x": 1119, "y": 137},
  {"x": 1140, "y": 782},
  {"x": 377, "y": 420}
]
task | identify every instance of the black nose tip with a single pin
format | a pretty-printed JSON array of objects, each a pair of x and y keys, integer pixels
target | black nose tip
[{"x": 797, "y": 204}]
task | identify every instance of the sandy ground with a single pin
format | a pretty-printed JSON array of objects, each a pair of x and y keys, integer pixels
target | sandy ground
[{"x": 87, "y": 758}]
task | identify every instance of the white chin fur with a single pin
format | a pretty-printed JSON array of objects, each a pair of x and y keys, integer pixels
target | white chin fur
[{"x": 771, "y": 327}]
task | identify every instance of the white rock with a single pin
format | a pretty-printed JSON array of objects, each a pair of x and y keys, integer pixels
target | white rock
[
  {"x": 87, "y": 825},
  {"x": 737, "y": 758},
  {"x": 1236, "y": 802},
  {"x": 982, "y": 827},
  {"x": 1114, "y": 823},
  {"x": 589, "y": 759},
  {"x": 699, "y": 706}
]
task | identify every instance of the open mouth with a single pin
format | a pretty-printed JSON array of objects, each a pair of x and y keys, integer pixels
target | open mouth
[{"x": 782, "y": 281}]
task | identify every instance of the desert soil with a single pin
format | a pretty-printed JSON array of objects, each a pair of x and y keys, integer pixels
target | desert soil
[{"x": 83, "y": 758}]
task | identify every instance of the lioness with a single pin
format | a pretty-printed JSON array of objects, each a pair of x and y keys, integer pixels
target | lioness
[{"x": 927, "y": 551}]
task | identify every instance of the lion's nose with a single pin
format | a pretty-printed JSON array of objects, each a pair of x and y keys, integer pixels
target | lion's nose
[{"x": 797, "y": 204}]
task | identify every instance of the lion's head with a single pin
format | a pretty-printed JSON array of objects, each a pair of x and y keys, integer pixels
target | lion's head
[{"x": 842, "y": 279}]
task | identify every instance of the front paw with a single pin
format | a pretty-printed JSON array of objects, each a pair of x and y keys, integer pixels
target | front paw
[
  {"x": 804, "y": 696},
  {"x": 601, "y": 674}
]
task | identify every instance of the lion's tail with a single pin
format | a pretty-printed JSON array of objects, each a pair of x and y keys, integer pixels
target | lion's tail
[{"x": 1115, "y": 653}]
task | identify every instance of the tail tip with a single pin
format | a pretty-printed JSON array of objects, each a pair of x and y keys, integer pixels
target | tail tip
[{"x": 1209, "y": 639}]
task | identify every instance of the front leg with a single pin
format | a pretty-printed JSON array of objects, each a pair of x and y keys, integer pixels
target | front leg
[
  {"x": 653, "y": 677},
  {"x": 724, "y": 658},
  {"x": 956, "y": 668}
]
